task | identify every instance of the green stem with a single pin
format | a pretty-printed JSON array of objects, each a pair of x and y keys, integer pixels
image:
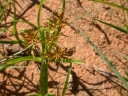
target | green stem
[
  {"x": 67, "y": 80},
  {"x": 14, "y": 23},
  {"x": 43, "y": 82}
]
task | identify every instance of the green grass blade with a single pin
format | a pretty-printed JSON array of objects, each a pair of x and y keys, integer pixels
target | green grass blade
[
  {"x": 15, "y": 55},
  {"x": 41, "y": 30},
  {"x": 57, "y": 33},
  {"x": 33, "y": 95},
  {"x": 33, "y": 25},
  {"x": 3, "y": 67},
  {"x": 3, "y": 29},
  {"x": 113, "y": 26},
  {"x": 67, "y": 80},
  {"x": 9, "y": 42},
  {"x": 113, "y": 68},
  {"x": 43, "y": 36},
  {"x": 111, "y": 4},
  {"x": 38, "y": 59},
  {"x": 69, "y": 60},
  {"x": 122, "y": 55},
  {"x": 19, "y": 59},
  {"x": 120, "y": 92},
  {"x": 39, "y": 12},
  {"x": 50, "y": 94},
  {"x": 126, "y": 72},
  {"x": 17, "y": 66},
  {"x": 1, "y": 16},
  {"x": 3, "y": 9},
  {"x": 14, "y": 23},
  {"x": 63, "y": 6}
]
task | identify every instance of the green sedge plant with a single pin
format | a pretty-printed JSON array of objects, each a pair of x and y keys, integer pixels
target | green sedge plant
[{"x": 50, "y": 51}]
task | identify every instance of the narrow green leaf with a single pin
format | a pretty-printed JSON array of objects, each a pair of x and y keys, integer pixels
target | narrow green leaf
[
  {"x": 121, "y": 93},
  {"x": 17, "y": 66},
  {"x": 63, "y": 6},
  {"x": 1, "y": 16},
  {"x": 113, "y": 26},
  {"x": 3, "y": 29},
  {"x": 38, "y": 59},
  {"x": 111, "y": 4},
  {"x": 33, "y": 25},
  {"x": 9, "y": 42},
  {"x": 126, "y": 79},
  {"x": 2, "y": 67},
  {"x": 19, "y": 59},
  {"x": 126, "y": 72},
  {"x": 41, "y": 30},
  {"x": 33, "y": 95},
  {"x": 122, "y": 55},
  {"x": 43, "y": 36},
  {"x": 39, "y": 12},
  {"x": 14, "y": 31},
  {"x": 4, "y": 8},
  {"x": 67, "y": 80},
  {"x": 50, "y": 94},
  {"x": 69, "y": 60}
]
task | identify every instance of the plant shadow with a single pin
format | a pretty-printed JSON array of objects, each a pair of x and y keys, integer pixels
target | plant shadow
[
  {"x": 79, "y": 85},
  {"x": 19, "y": 85}
]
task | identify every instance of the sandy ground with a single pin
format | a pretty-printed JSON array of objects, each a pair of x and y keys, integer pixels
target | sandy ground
[{"x": 87, "y": 79}]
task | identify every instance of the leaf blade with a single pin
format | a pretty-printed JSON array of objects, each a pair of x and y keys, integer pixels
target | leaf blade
[
  {"x": 20, "y": 59},
  {"x": 113, "y": 26}
]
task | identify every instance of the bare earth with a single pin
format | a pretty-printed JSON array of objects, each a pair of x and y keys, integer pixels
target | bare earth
[{"x": 89, "y": 79}]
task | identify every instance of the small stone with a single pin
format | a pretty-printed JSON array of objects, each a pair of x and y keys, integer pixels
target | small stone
[
  {"x": 106, "y": 7},
  {"x": 11, "y": 49}
]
